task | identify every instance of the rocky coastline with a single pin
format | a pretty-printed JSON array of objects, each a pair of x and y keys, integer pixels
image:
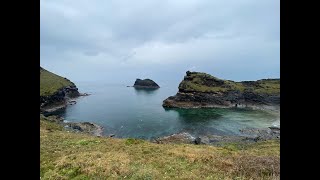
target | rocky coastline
[
  {"x": 186, "y": 98},
  {"x": 59, "y": 99},
  {"x": 77, "y": 127},
  {"x": 201, "y": 90},
  {"x": 248, "y": 135}
]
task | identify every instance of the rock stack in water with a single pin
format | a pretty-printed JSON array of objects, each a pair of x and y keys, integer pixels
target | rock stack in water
[{"x": 145, "y": 83}]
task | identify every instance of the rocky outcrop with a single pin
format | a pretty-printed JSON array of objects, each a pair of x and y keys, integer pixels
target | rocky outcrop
[
  {"x": 184, "y": 138},
  {"x": 146, "y": 83},
  {"x": 203, "y": 90},
  {"x": 59, "y": 97},
  {"x": 82, "y": 127},
  {"x": 248, "y": 135},
  {"x": 85, "y": 127},
  {"x": 55, "y": 91}
]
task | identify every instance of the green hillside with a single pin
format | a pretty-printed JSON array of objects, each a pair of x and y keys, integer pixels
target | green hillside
[{"x": 50, "y": 82}]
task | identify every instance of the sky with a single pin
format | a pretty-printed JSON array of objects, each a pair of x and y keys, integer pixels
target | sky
[{"x": 120, "y": 40}]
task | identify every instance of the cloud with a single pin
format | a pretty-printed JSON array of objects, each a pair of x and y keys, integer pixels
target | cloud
[{"x": 123, "y": 36}]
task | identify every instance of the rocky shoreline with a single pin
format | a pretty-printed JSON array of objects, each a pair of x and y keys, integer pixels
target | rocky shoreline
[
  {"x": 83, "y": 127},
  {"x": 60, "y": 105},
  {"x": 249, "y": 135}
]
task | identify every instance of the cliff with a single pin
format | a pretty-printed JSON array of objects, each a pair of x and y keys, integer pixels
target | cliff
[
  {"x": 203, "y": 90},
  {"x": 146, "y": 83},
  {"x": 55, "y": 89}
]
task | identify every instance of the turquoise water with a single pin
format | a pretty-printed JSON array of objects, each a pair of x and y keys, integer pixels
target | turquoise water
[{"x": 129, "y": 112}]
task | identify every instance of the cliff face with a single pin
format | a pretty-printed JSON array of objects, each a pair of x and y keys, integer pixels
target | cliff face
[
  {"x": 146, "y": 83},
  {"x": 55, "y": 89},
  {"x": 203, "y": 90}
]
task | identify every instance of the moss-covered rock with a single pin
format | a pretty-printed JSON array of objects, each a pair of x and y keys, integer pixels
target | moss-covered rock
[{"x": 204, "y": 90}]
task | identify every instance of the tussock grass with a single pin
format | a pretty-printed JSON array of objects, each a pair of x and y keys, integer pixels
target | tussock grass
[
  {"x": 51, "y": 83},
  {"x": 66, "y": 155}
]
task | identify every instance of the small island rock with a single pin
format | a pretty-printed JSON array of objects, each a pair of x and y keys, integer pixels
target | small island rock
[{"x": 145, "y": 83}]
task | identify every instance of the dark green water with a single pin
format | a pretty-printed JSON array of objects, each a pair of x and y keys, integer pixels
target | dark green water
[{"x": 129, "y": 112}]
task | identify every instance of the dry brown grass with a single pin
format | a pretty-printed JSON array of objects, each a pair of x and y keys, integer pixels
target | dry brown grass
[{"x": 66, "y": 155}]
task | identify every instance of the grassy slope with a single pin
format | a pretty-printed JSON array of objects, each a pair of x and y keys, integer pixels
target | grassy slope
[
  {"x": 66, "y": 155},
  {"x": 50, "y": 83},
  {"x": 197, "y": 84}
]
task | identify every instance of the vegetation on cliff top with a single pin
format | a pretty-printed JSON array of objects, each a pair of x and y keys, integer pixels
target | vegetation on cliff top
[
  {"x": 67, "y": 155},
  {"x": 51, "y": 83},
  {"x": 202, "y": 82}
]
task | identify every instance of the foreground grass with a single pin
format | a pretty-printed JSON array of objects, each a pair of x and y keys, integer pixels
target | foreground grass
[
  {"x": 51, "y": 83},
  {"x": 66, "y": 155}
]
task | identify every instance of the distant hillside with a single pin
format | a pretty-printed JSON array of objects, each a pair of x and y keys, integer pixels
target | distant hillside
[
  {"x": 204, "y": 90},
  {"x": 51, "y": 83},
  {"x": 54, "y": 88}
]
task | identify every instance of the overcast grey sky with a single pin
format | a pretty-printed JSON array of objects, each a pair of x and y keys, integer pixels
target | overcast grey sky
[{"x": 120, "y": 40}]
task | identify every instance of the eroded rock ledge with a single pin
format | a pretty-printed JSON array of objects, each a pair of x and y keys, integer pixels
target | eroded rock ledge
[
  {"x": 248, "y": 135},
  {"x": 203, "y": 90},
  {"x": 83, "y": 127},
  {"x": 59, "y": 100}
]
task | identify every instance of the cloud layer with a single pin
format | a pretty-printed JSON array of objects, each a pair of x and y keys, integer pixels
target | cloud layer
[{"x": 94, "y": 40}]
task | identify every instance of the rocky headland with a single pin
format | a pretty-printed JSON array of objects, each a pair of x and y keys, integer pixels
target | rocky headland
[
  {"x": 198, "y": 90},
  {"x": 145, "y": 83},
  {"x": 55, "y": 91}
]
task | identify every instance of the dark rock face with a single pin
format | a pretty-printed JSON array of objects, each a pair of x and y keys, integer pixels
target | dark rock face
[
  {"x": 203, "y": 90},
  {"x": 60, "y": 96},
  {"x": 146, "y": 83},
  {"x": 197, "y": 140}
]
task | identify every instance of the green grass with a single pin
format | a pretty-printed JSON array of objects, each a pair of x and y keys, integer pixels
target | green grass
[
  {"x": 51, "y": 83},
  {"x": 268, "y": 87},
  {"x": 67, "y": 155},
  {"x": 199, "y": 82}
]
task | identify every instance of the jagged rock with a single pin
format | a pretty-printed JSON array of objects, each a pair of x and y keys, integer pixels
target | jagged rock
[
  {"x": 197, "y": 140},
  {"x": 203, "y": 90},
  {"x": 176, "y": 138},
  {"x": 146, "y": 83},
  {"x": 85, "y": 127}
]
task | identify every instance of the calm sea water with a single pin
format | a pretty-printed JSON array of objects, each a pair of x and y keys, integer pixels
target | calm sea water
[{"x": 129, "y": 112}]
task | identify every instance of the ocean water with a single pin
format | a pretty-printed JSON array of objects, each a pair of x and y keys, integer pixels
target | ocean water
[{"x": 138, "y": 113}]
